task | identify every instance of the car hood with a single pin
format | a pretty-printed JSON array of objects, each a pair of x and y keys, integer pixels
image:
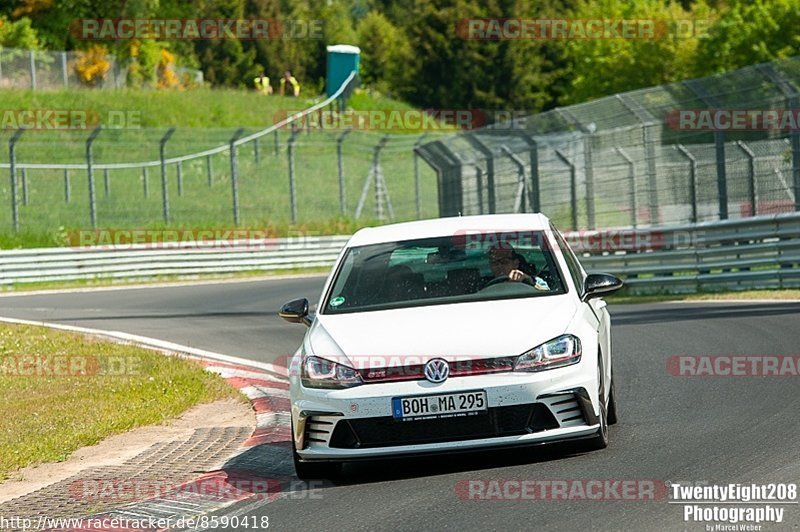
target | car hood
[{"x": 481, "y": 329}]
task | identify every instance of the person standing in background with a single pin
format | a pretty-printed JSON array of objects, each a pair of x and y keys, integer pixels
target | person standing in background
[{"x": 288, "y": 78}]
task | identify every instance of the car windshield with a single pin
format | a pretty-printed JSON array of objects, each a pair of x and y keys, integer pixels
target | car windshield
[{"x": 441, "y": 270}]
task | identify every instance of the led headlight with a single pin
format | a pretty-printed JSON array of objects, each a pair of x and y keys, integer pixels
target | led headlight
[
  {"x": 321, "y": 373},
  {"x": 556, "y": 353}
]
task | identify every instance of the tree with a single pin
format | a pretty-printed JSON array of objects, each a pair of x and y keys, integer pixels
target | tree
[{"x": 385, "y": 54}]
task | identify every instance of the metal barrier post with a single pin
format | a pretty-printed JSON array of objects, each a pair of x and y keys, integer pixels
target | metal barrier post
[
  {"x": 417, "y": 193},
  {"x": 692, "y": 179},
  {"x": 573, "y": 188},
  {"x": 180, "y": 177},
  {"x": 32, "y": 62},
  {"x": 256, "y": 154},
  {"x": 208, "y": 169},
  {"x": 634, "y": 202},
  {"x": 90, "y": 175},
  {"x": 12, "y": 157},
  {"x": 340, "y": 163},
  {"x": 722, "y": 177},
  {"x": 277, "y": 143},
  {"x": 64, "y": 74},
  {"x": 106, "y": 183},
  {"x": 488, "y": 154},
  {"x": 290, "y": 154},
  {"x": 145, "y": 178},
  {"x": 24, "y": 186},
  {"x": 67, "y": 187},
  {"x": 235, "y": 175},
  {"x": 164, "y": 188},
  {"x": 751, "y": 178},
  {"x": 519, "y": 201}
]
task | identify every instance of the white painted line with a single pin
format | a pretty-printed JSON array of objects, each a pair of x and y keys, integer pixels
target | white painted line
[
  {"x": 152, "y": 343},
  {"x": 159, "y": 284}
]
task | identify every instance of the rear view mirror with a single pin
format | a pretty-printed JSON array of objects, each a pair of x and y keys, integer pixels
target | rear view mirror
[
  {"x": 599, "y": 284},
  {"x": 296, "y": 311}
]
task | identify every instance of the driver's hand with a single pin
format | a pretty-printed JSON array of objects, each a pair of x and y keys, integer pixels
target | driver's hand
[{"x": 518, "y": 276}]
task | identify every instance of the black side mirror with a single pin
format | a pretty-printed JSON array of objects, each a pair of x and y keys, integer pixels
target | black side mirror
[
  {"x": 599, "y": 284},
  {"x": 296, "y": 311}
]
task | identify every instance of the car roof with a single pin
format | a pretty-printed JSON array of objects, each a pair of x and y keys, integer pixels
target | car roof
[{"x": 456, "y": 225}]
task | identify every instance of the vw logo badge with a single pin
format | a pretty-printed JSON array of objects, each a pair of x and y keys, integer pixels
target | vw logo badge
[{"x": 437, "y": 370}]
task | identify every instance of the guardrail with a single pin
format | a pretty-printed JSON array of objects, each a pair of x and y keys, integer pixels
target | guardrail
[{"x": 759, "y": 252}]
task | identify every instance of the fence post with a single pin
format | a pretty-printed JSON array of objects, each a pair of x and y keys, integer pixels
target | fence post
[
  {"x": 106, "y": 183},
  {"x": 67, "y": 187},
  {"x": 12, "y": 157},
  {"x": 255, "y": 151},
  {"x": 534, "y": 192},
  {"x": 90, "y": 176},
  {"x": 164, "y": 189},
  {"x": 519, "y": 202},
  {"x": 722, "y": 177},
  {"x": 64, "y": 74},
  {"x": 290, "y": 152},
  {"x": 488, "y": 154},
  {"x": 144, "y": 181},
  {"x": 692, "y": 179},
  {"x": 180, "y": 178},
  {"x": 32, "y": 61},
  {"x": 24, "y": 186},
  {"x": 235, "y": 175},
  {"x": 634, "y": 202},
  {"x": 208, "y": 169},
  {"x": 417, "y": 193},
  {"x": 340, "y": 162},
  {"x": 573, "y": 188},
  {"x": 751, "y": 166},
  {"x": 277, "y": 143}
]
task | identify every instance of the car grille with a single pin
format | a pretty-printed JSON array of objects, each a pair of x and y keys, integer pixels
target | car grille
[{"x": 498, "y": 421}]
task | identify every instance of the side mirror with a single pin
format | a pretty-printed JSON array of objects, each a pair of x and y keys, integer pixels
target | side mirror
[
  {"x": 599, "y": 284},
  {"x": 296, "y": 311}
]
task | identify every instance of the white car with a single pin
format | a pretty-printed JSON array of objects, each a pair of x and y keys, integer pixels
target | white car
[{"x": 448, "y": 335}]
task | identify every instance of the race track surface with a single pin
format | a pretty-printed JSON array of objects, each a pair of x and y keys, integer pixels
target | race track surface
[{"x": 713, "y": 430}]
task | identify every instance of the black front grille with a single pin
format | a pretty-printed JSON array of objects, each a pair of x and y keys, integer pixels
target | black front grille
[{"x": 499, "y": 421}]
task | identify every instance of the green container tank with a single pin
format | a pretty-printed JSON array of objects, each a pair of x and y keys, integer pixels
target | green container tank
[{"x": 342, "y": 59}]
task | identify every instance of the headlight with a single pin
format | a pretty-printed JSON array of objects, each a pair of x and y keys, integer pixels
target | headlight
[
  {"x": 320, "y": 373},
  {"x": 556, "y": 353}
]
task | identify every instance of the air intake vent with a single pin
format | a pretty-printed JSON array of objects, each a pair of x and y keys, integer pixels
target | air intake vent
[{"x": 566, "y": 409}]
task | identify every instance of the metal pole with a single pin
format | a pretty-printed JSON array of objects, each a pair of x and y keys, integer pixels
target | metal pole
[
  {"x": 292, "y": 194},
  {"x": 588, "y": 172},
  {"x": 722, "y": 178},
  {"x": 180, "y": 178},
  {"x": 12, "y": 157},
  {"x": 255, "y": 151},
  {"x": 379, "y": 184},
  {"x": 634, "y": 202},
  {"x": 90, "y": 176},
  {"x": 277, "y": 143},
  {"x": 795, "y": 138},
  {"x": 64, "y": 74},
  {"x": 235, "y": 175},
  {"x": 24, "y": 186},
  {"x": 340, "y": 161},
  {"x": 751, "y": 167},
  {"x": 67, "y": 187},
  {"x": 573, "y": 188},
  {"x": 692, "y": 179},
  {"x": 208, "y": 169},
  {"x": 32, "y": 57},
  {"x": 144, "y": 181},
  {"x": 106, "y": 183},
  {"x": 417, "y": 193},
  {"x": 519, "y": 202},
  {"x": 164, "y": 188}
]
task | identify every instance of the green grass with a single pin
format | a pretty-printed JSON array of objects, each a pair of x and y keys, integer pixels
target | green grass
[
  {"x": 708, "y": 296},
  {"x": 44, "y": 418},
  {"x": 263, "y": 186}
]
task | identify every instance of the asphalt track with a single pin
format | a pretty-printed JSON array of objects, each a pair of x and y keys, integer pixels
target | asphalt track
[{"x": 712, "y": 430}]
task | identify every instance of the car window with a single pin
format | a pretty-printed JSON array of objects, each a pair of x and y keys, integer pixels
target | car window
[
  {"x": 574, "y": 267},
  {"x": 442, "y": 270}
]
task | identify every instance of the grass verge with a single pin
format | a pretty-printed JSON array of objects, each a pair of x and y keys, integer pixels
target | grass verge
[
  {"x": 60, "y": 391},
  {"x": 709, "y": 296}
]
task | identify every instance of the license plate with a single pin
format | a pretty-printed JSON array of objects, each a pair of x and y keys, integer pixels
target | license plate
[{"x": 459, "y": 404}]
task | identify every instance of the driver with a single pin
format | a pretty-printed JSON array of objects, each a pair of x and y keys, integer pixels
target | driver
[{"x": 506, "y": 262}]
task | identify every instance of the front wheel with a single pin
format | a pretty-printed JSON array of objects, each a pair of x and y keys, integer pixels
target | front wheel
[{"x": 600, "y": 440}]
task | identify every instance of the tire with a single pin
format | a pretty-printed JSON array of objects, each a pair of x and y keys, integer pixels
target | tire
[
  {"x": 314, "y": 470},
  {"x": 612, "y": 403},
  {"x": 600, "y": 439}
]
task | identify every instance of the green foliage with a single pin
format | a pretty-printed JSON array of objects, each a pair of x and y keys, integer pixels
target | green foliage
[{"x": 18, "y": 34}]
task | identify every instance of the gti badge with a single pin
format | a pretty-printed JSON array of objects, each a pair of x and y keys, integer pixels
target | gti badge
[{"x": 437, "y": 370}]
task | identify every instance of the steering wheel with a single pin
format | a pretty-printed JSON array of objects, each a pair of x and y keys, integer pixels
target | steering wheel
[{"x": 497, "y": 280}]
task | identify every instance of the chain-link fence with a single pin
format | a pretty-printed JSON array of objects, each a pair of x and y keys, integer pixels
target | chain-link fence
[
  {"x": 204, "y": 178},
  {"x": 708, "y": 149}
]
